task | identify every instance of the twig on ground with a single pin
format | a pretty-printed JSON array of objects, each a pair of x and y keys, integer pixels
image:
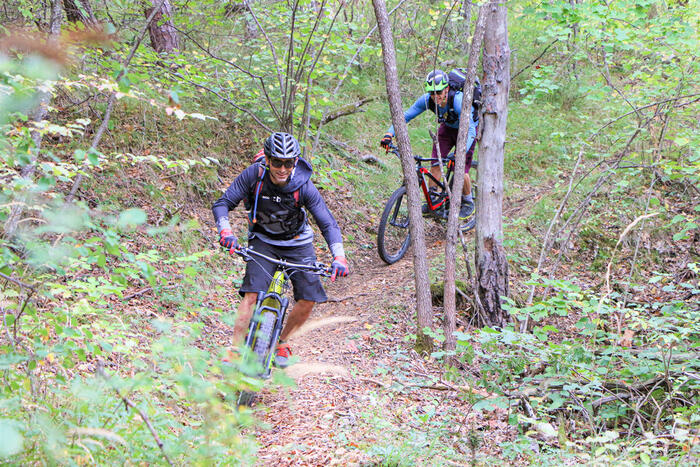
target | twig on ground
[
  {"x": 347, "y": 297},
  {"x": 147, "y": 289}
]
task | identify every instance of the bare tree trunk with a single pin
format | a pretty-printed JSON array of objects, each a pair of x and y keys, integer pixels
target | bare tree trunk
[
  {"x": 424, "y": 307},
  {"x": 37, "y": 115},
  {"x": 571, "y": 42},
  {"x": 457, "y": 182},
  {"x": 491, "y": 262},
  {"x": 74, "y": 14},
  {"x": 466, "y": 28},
  {"x": 164, "y": 37}
]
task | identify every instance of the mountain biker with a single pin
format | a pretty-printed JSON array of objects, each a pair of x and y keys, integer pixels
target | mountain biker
[
  {"x": 436, "y": 99},
  {"x": 275, "y": 192}
]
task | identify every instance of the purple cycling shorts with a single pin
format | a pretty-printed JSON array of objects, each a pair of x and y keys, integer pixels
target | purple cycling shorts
[{"x": 447, "y": 139}]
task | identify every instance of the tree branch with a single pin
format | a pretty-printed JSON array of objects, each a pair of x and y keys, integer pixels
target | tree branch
[
  {"x": 129, "y": 404},
  {"x": 347, "y": 110},
  {"x": 18, "y": 282},
  {"x": 535, "y": 60},
  {"x": 259, "y": 78},
  {"x": 545, "y": 241},
  {"x": 345, "y": 73},
  {"x": 642, "y": 108},
  {"x": 223, "y": 98},
  {"x": 269, "y": 43}
]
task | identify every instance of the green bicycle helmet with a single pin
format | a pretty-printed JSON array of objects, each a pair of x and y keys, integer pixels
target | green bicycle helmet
[{"x": 436, "y": 81}]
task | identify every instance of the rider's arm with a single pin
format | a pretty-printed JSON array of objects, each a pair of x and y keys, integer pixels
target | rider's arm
[
  {"x": 237, "y": 191},
  {"x": 457, "y": 106},
  {"x": 418, "y": 107},
  {"x": 311, "y": 198}
]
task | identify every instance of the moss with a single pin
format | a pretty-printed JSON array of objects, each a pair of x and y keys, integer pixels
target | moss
[{"x": 437, "y": 293}]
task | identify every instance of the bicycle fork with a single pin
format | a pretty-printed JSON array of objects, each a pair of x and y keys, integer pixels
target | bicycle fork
[{"x": 270, "y": 302}]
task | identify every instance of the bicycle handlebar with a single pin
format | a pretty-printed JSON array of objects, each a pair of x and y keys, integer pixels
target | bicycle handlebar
[
  {"x": 317, "y": 268},
  {"x": 395, "y": 150},
  {"x": 450, "y": 157}
]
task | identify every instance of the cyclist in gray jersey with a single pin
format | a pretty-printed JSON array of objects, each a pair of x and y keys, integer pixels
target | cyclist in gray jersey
[{"x": 277, "y": 192}]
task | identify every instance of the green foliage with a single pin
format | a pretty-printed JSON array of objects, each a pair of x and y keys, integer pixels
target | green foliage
[
  {"x": 76, "y": 342},
  {"x": 604, "y": 392},
  {"x": 65, "y": 395}
]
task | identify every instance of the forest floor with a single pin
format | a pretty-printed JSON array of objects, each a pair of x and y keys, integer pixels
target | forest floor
[
  {"x": 359, "y": 384},
  {"x": 360, "y": 394},
  {"x": 360, "y": 391}
]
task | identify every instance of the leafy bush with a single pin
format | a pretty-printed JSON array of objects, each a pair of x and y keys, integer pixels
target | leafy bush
[{"x": 601, "y": 393}]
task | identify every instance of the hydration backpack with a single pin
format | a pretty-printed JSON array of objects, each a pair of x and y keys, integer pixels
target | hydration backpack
[
  {"x": 456, "y": 79},
  {"x": 259, "y": 159}
]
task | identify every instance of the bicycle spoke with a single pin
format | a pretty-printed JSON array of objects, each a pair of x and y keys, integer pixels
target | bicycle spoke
[{"x": 393, "y": 233}]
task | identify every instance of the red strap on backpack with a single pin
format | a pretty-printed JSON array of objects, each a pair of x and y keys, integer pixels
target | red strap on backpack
[{"x": 259, "y": 156}]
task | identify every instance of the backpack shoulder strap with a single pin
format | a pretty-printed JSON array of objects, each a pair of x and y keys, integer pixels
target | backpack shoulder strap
[
  {"x": 296, "y": 196},
  {"x": 256, "y": 193},
  {"x": 261, "y": 175},
  {"x": 451, "y": 99}
]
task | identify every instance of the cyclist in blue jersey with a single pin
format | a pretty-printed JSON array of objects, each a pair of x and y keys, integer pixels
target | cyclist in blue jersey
[
  {"x": 276, "y": 192},
  {"x": 446, "y": 103}
]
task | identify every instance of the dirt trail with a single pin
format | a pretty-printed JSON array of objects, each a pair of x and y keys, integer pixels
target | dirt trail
[{"x": 326, "y": 418}]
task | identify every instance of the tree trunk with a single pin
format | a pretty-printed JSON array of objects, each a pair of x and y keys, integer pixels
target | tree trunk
[
  {"x": 75, "y": 14},
  {"x": 491, "y": 263},
  {"x": 424, "y": 307},
  {"x": 37, "y": 115},
  {"x": 161, "y": 29},
  {"x": 466, "y": 28},
  {"x": 450, "y": 320}
]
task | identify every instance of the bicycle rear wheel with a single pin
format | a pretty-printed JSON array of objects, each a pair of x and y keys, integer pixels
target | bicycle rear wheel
[
  {"x": 393, "y": 236},
  {"x": 262, "y": 348}
]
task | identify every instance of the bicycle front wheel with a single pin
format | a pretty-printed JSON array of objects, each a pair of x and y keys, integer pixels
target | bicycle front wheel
[
  {"x": 263, "y": 341},
  {"x": 262, "y": 348},
  {"x": 393, "y": 236}
]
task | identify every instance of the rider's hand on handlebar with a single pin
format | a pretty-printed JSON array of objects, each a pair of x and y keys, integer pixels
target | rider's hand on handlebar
[
  {"x": 386, "y": 141},
  {"x": 339, "y": 268},
  {"x": 228, "y": 240}
]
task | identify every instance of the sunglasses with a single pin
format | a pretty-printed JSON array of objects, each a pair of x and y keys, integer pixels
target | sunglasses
[{"x": 286, "y": 163}]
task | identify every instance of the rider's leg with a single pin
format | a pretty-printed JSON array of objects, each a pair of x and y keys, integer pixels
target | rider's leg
[
  {"x": 256, "y": 279},
  {"x": 308, "y": 291},
  {"x": 435, "y": 171},
  {"x": 299, "y": 314},
  {"x": 245, "y": 312},
  {"x": 446, "y": 141},
  {"x": 467, "y": 187},
  {"x": 466, "y": 212}
]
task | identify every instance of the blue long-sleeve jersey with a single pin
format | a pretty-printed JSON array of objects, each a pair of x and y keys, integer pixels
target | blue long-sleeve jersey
[{"x": 421, "y": 105}]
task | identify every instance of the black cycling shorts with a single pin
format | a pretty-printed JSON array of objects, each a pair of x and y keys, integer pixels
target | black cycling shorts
[{"x": 258, "y": 272}]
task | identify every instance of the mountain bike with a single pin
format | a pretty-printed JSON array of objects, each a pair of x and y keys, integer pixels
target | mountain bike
[
  {"x": 269, "y": 313},
  {"x": 393, "y": 236}
]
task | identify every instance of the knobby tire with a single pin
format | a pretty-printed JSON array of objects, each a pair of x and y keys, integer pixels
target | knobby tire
[
  {"x": 393, "y": 236},
  {"x": 261, "y": 347}
]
